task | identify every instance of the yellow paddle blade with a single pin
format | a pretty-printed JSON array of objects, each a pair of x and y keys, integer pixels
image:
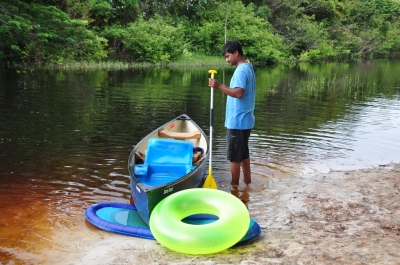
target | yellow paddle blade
[{"x": 210, "y": 182}]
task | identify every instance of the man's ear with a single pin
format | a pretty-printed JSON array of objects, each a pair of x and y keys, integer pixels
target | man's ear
[{"x": 236, "y": 53}]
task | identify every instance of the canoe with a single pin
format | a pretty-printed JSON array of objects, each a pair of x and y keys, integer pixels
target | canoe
[{"x": 171, "y": 158}]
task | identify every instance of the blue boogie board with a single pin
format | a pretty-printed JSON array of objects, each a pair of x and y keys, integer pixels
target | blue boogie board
[{"x": 122, "y": 218}]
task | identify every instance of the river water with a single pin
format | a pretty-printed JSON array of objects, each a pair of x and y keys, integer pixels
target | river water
[{"x": 65, "y": 136}]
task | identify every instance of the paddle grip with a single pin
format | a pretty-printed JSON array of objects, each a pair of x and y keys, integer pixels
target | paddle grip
[{"x": 212, "y": 72}]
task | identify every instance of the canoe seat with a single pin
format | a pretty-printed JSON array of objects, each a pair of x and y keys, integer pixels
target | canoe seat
[
  {"x": 179, "y": 135},
  {"x": 166, "y": 161}
]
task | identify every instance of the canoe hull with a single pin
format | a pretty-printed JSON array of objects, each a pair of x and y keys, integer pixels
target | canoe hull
[{"x": 147, "y": 197}]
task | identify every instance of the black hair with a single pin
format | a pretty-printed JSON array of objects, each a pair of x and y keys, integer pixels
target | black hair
[{"x": 232, "y": 46}]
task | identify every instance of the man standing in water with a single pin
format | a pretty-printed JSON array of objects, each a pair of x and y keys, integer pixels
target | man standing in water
[{"x": 239, "y": 116}]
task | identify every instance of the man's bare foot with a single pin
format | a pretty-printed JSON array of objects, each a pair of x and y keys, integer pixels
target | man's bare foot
[{"x": 235, "y": 190}]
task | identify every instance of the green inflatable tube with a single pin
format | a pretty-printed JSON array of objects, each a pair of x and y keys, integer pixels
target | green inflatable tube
[{"x": 169, "y": 230}]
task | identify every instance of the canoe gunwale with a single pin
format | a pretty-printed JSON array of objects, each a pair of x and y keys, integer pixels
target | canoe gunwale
[
  {"x": 131, "y": 159},
  {"x": 148, "y": 196}
]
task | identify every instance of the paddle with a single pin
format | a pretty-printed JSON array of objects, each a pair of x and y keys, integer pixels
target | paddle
[{"x": 210, "y": 182}]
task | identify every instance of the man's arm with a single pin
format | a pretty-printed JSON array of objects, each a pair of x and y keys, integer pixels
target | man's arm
[{"x": 236, "y": 92}]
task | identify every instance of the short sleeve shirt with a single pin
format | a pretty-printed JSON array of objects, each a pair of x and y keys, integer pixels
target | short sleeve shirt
[{"x": 240, "y": 112}]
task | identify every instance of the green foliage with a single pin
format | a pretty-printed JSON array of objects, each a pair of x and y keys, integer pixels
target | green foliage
[
  {"x": 315, "y": 41},
  {"x": 104, "y": 13},
  {"x": 336, "y": 29},
  {"x": 154, "y": 41},
  {"x": 255, "y": 34},
  {"x": 323, "y": 9},
  {"x": 368, "y": 29},
  {"x": 259, "y": 43},
  {"x": 14, "y": 29},
  {"x": 45, "y": 34},
  {"x": 207, "y": 37},
  {"x": 78, "y": 9},
  {"x": 271, "y": 31},
  {"x": 89, "y": 46},
  {"x": 178, "y": 9},
  {"x": 116, "y": 38}
]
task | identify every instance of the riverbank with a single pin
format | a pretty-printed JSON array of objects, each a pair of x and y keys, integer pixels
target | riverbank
[
  {"x": 196, "y": 61},
  {"x": 340, "y": 217}
]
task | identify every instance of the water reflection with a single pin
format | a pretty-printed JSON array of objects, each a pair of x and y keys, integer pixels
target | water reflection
[{"x": 241, "y": 194}]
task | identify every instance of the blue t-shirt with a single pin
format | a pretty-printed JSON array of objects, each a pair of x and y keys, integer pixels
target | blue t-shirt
[{"x": 240, "y": 112}]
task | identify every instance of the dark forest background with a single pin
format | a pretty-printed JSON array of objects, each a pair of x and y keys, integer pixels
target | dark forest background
[{"x": 271, "y": 31}]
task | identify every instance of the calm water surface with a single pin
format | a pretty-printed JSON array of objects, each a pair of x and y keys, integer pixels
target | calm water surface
[{"x": 65, "y": 136}]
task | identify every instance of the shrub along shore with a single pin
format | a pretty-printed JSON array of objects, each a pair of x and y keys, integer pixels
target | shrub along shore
[{"x": 142, "y": 33}]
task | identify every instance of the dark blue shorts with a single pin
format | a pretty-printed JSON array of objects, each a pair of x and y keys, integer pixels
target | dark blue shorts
[{"x": 237, "y": 145}]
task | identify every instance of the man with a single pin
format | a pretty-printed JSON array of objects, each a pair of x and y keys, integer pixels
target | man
[{"x": 239, "y": 117}]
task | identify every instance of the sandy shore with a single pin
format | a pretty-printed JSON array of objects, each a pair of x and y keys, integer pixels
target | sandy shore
[{"x": 346, "y": 217}]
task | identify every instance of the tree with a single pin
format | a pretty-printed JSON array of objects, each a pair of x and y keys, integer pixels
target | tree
[
  {"x": 105, "y": 13},
  {"x": 38, "y": 33},
  {"x": 14, "y": 31},
  {"x": 255, "y": 34},
  {"x": 155, "y": 41}
]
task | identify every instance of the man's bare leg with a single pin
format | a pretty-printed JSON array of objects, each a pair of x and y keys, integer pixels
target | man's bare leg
[
  {"x": 235, "y": 171},
  {"x": 246, "y": 171}
]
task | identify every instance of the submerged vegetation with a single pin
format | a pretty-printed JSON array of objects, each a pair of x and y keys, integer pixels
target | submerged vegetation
[{"x": 138, "y": 33}]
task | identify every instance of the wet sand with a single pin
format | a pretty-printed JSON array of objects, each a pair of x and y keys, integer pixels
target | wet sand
[{"x": 341, "y": 217}]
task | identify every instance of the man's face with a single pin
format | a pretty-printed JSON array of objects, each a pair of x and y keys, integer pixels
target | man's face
[{"x": 231, "y": 58}]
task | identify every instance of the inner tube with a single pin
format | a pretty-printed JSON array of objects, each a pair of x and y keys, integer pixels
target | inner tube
[
  {"x": 170, "y": 231},
  {"x": 123, "y": 219}
]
